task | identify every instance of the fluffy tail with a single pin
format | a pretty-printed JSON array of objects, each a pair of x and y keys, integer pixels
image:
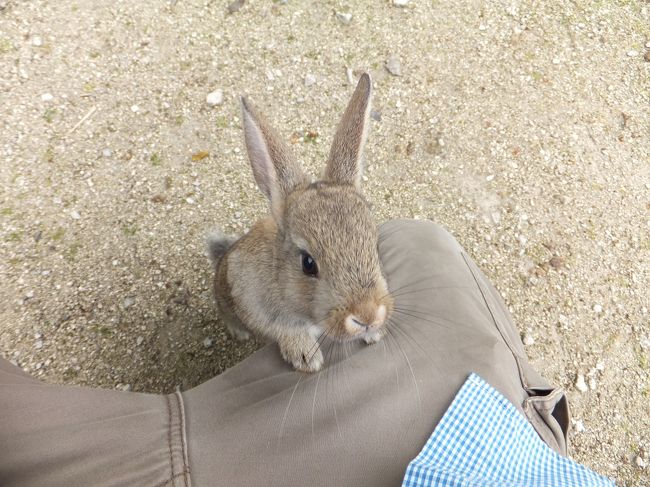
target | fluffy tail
[{"x": 218, "y": 245}]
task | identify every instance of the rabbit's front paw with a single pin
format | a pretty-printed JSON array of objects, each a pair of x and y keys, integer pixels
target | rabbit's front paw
[{"x": 303, "y": 352}]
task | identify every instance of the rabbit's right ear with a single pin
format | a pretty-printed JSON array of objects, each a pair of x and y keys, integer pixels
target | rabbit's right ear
[{"x": 276, "y": 171}]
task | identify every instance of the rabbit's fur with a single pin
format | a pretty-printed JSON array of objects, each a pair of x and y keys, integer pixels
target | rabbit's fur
[{"x": 260, "y": 284}]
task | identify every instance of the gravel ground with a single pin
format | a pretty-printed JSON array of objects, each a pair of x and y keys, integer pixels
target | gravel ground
[{"x": 523, "y": 127}]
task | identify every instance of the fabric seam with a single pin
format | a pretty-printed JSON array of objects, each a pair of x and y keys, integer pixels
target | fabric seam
[
  {"x": 522, "y": 379},
  {"x": 169, "y": 435},
  {"x": 186, "y": 465}
]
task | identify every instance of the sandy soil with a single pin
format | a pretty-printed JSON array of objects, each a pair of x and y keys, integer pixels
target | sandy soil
[{"x": 523, "y": 127}]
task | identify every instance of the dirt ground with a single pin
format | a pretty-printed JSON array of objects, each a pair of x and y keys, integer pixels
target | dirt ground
[{"x": 523, "y": 127}]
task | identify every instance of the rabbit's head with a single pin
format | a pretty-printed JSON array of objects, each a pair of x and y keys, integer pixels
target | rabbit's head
[{"x": 326, "y": 258}]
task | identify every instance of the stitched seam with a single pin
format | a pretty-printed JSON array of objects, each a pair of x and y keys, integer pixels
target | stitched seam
[
  {"x": 496, "y": 324},
  {"x": 181, "y": 412},
  {"x": 169, "y": 435},
  {"x": 171, "y": 480}
]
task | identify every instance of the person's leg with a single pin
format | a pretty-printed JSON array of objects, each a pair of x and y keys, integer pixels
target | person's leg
[
  {"x": 72, "y": 436},
  {"x": 357, "y": 422},
  {"x": 371, "y": 409}
]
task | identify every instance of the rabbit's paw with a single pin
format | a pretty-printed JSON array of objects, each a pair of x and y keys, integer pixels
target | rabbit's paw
[
  {"x": 303, "y": 352},
  {"x": 374, "y": 336},
  {"x": 238, "y": 332}
]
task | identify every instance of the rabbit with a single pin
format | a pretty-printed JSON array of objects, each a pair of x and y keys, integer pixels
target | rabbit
[{"x": 310, "y": 269}]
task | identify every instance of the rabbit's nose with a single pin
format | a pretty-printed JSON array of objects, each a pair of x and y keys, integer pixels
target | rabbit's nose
[{"x": 370, "y": 317}]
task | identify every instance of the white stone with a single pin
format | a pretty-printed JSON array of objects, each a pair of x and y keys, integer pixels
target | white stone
[
  {"x": 581, "y": 385},
  {"x": 47, "y": 97},
  {"x": 401, "y": 3},
  {"x": 344, "y": 17},
  {"x": 106, "y": 152},
  {"x": 310, "y": 80},
  {"x": 135, "y": 108},
  {"x": 579, "y": 427},
  {"x": 489, "y": 178},
  {"x": 597, "y": 308},
  {"x": 37, "y": 41},
  {"x": 632, "y": 53},
  {"x": 393, "y": 66},
  {"x": 38, "y": 345},
  {"x": 214, "y": 98},
  {"x": 139, "y": 341},
  {"x": 528, "y": 340},
  {"x": 640, "y": 462},
  {"x": 207, "y": 343}
]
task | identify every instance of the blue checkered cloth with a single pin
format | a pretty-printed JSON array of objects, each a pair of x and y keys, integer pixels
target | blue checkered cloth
[{"x": 482, "y": 440}]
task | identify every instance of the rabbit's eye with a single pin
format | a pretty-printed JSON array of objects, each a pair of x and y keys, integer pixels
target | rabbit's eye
[{"x": 309, "y": 266}]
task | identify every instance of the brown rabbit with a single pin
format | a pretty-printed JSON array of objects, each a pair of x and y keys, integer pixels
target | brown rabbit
[{"x": 310, "y": 270}]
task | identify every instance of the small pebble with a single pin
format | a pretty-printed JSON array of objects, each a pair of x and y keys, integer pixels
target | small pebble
[
  {"x": 310, "y": 80},
  {"x": 401, "y": 3},
  {"x": 556, "y": 262},
  {"x": 592, "y": 383},
  {"x": 528, "y": 340},
  {"x": 47, "y": 97},
  {"x": 581, "y": 385},
  {"x": 30, "y": 295},
  {"x": 640, "y": 462},
  {"x": 647, "y": 44},
  {"x": 597, "y": 308},
  {"x": 489, "y": 178},
  {"x": 375, "y": 115},
  {"x": 348, "y": 75},
  {"x": 37, "y": 41},
  {"x": 579, "y": 427},
  {"x": 393, "y": 66},
  {"x": 74, "y": 214},
  {"x": 128, "y": 302},
  {"x": 190, "y": 201},
  {"x": 139, "y": 341},
  {"x": 344, "y": 17},
  {"x": 38, "y": 345},
  {"x": 235, "y": 6},
  {"x": 632, "y": 53},
  {"x": 135, "y": 108},
  {"x": 215, "y": 98},
  {"x": 126, "y": 387},
  {"x": 106, "y": 152},
  {"x": 207, "y": 343}
]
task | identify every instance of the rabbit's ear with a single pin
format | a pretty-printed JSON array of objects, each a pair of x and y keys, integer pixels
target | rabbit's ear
[
  {"x": 276, "y": 171},
  {"x": 345, "y": 163}
]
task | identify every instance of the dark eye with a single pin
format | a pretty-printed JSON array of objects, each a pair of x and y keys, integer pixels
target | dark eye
[{"x": 309, "y": 266}]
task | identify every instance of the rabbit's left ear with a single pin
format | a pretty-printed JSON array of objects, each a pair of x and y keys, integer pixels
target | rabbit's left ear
[{"x": 345, "y": 163}]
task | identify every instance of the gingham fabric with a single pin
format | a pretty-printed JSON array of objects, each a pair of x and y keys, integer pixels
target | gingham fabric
[{"x": 482, "y": 440}]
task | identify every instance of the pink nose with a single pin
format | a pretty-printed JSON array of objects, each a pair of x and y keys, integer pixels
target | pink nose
[{"x": 356, "y": 323}]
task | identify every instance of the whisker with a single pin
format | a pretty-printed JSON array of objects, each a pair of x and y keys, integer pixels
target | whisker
[
  {"x": 419, "y": 317},
  {"x": 286, "y": 411},
  {"x": 408, "y": 362},
  {"x": 313, "y": 406}
]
